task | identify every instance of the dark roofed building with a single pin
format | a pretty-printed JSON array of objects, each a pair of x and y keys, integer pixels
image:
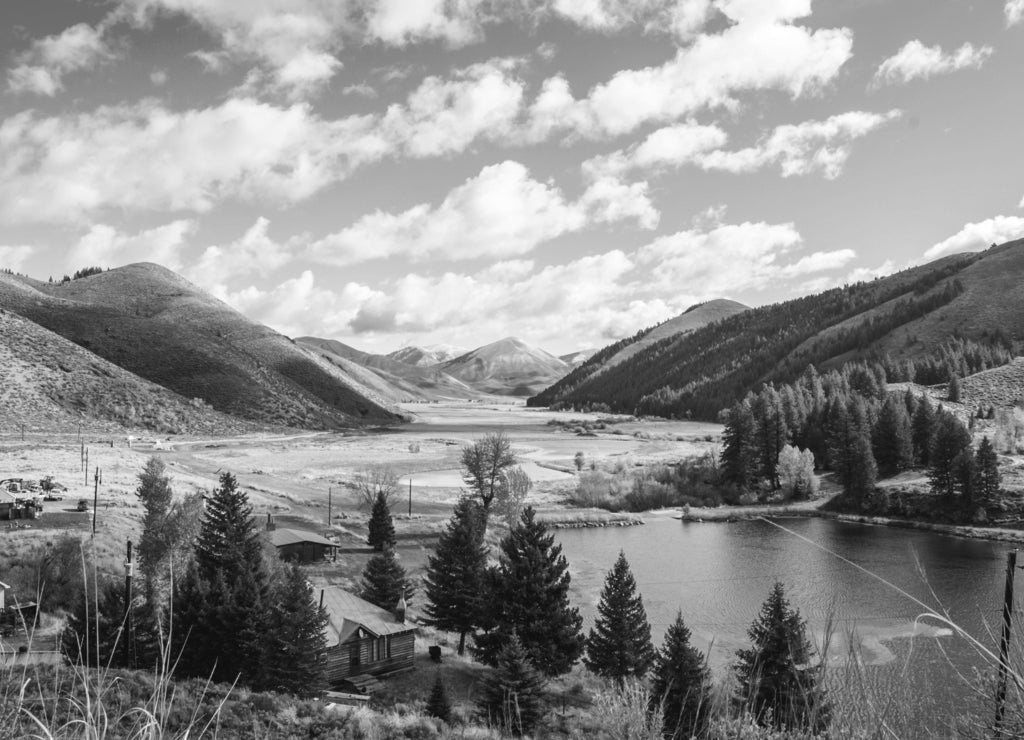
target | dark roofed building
[
  {"x": 299, "y": 545},
  {"x": 364, "y": 640}
]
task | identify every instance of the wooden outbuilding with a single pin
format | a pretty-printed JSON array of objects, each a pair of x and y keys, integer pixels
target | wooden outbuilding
[
  {"x": 364, "y": 642},
  {"x": 299, "y": 545}
]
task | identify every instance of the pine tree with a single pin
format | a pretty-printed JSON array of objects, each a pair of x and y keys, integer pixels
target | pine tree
[
  {"x": 513, "y": 694},
  {"x": 528, "y": 594},
  {"x": 296, "y": 639},
  {"x": 681, "y": 684},
  {"x": 770, "y": 432},
  {"x": 384, "y": 581},
  {"x": 863, "y": 466},
  {"x": 988, "y": 480},
  {"x": 892, "y": 441},
  {"x": 953, "y": 392},
  {"x": 739, "y": 464},
  {"x": 455, "y": 573},
  {"x": 778, "y": 681},
  {"x": 438, "y": 705},
  {"x": 156, "y": 495},
  {"x": 381, "y": 527},
  {"x": 923, "y": 431},
  {"x": 619, "y": 644},
  {"x": 221, "y": 607},
  {"x": 951, "y": 437}
]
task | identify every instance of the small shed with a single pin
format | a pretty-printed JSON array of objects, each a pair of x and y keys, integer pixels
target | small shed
[
  {"x": 301, "y": 546},
  {"x": 364, "y": 640}
]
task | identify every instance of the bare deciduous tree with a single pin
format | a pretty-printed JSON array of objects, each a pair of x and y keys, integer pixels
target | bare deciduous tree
[{"x": 375, "y": 481}]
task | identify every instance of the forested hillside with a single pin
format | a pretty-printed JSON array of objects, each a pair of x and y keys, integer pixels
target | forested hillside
[{"x": 898, "y": 321}]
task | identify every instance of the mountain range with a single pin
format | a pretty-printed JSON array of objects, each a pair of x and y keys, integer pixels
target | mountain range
[{"x": 906, "y": 316}]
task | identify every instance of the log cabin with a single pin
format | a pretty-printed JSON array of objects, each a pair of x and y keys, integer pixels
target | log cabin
[
  {"x": 299, "y": 545},
  {"x": 363, "y": 640}
]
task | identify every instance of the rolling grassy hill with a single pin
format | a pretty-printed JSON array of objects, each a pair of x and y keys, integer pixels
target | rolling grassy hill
[
  {"x": 905, "y": 315},
  {"x": 158, "y": 326},
  {"x": 52, "y": 385}
]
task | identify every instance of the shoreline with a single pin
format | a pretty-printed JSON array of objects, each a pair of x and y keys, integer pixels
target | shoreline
[{"x": 733, "y": 514}]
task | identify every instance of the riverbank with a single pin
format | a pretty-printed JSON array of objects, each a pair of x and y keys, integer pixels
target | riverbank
[{"x": 813, "y": 509}]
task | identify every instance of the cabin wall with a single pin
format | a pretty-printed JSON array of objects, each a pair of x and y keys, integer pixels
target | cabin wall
[
  {"x": 372, "y": 655},
  {"x": 303, "y": 552}
]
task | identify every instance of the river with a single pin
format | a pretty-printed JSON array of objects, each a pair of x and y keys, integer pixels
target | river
[{"x": 718, "y": 574}]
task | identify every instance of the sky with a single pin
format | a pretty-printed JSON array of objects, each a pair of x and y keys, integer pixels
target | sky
[{"x": 394, "y": 172}]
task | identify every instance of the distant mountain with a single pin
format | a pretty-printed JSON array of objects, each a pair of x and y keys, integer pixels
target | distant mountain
[
  {"x": 157, "y": 325},
  {"x": 575, "y": 359},
  {"x": 391, "y": 378},
  {"x": 908, "y": 315},
  {"x": 508, "y": 367},
  {"x": 427, "y": 356}
]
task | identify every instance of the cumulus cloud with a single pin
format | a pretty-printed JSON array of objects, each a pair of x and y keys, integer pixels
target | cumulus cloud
[
  {"x": 41, "y": 69},
  {"x": 499, "y": 213},
  {"x": 671, "y": 146},
  {"x": 255, "y": 252},
  {"x": 915, "y": 61},
  {"x": 1014, "y": 12},
  {"x": 14, "y": 257},
  {"x": 762, "y": 50},
  {"x": 106, "y": 246},
  {"x": 732, "y": 258},
  {"x": 146, "y": 157},
  {"x": 804, "y": 148},
  {"x": 398, "y": 22},
  {"x": 974, "y": 237}
]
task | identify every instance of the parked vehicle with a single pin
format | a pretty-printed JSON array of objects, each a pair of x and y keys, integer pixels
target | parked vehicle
[{"x": 83, "y": 504}]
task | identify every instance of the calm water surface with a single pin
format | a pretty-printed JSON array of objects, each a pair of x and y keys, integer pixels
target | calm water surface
[{"x": 718, "y": 575}]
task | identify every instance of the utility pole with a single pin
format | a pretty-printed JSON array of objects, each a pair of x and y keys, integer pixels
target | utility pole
[
  {"x": 129, "y": 628},
  {"x": 410, "y": 495},
  {"x": 329, "y": 489},
  {"x": 95, "y": 498},
  {"x": 1004, "y": 641},
  {"x": 86, "y": 464}
]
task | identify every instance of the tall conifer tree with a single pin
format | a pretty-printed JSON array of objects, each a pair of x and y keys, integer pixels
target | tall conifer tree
[
  {"x": 619, "y": 644},
  {"x": 682, "y": 684},
  {"x": 528, "y": 594},
  {"x": 295, "y": 639},
  {"x": 513, "y": 694},
  {"x": 989, "y": 478},
  {"x": 923, "y": 430},
  {"x": 455, "y": 573},
  {"x": 739, "y": 454},
  {"x": 381, "y": 527},
  {"x": 779, "y": 681},
  {"x": 384, "y": 581},
  {"x": 951, "y": 437},
  {"x": 892, "y": 441}
]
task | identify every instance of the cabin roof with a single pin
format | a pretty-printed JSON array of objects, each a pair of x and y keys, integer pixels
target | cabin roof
[
  {"x": 346, "y": 613},
  {"x": 285, "y": 536}
]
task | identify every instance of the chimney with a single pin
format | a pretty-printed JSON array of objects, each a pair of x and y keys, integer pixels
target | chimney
[
  {"x": 270, "y": 522},
  {"x": 400, "y": 609}
]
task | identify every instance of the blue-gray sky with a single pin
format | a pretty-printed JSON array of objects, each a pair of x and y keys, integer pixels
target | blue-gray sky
[{"x": 387, "y": 172}]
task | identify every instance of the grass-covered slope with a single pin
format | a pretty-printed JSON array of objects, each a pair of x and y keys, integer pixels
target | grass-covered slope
[
  {"x": 155, "y": 324},
  {"x": 905, "y": 315},
  {"x": 52, "y": 384}
]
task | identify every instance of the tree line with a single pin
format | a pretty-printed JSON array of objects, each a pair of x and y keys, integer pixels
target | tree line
[{"x": 847, "y": 422}]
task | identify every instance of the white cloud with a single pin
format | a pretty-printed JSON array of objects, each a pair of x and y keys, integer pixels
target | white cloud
[
  {"x": 915, "y": 61},
  {"x": 609, "y": 200},
  {"x": 501, "y": 212},
  {"x": 804, "y": 148},
  {"x": 13, "y": 257},
  {"x": 105, "y": 246},
  {"x": 762, "y": 51},
  {"x": 254, "y": 252},
  {"x": 444, "y": 115},
  {"x": 41, "y": 68},
  {"x": 672, "y": 146},
  {"x": 1014, "y": 12},
  {"x": 977, "y": 236},
  {"x": 731, "y": 258},
  {"x": 146, "y": 157},
  {"x": 158, "y": 77},
  {"x": 398, "y": 22}
]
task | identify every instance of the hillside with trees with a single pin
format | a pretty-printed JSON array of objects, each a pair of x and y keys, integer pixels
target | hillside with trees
[{"x": 897, "y": 321}]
